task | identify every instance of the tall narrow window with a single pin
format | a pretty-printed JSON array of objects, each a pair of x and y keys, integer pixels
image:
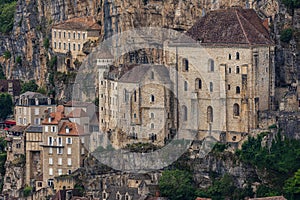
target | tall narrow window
[
  {"x": 185, "y": 65},
  {"x": 69, "y": 35},
  {"x": 210, "y": 114},
  {"x": 134, "y": 95},
  {"x": 211, "y": 87},
  {"x": 237, "y": 69},
  {"x": 74, "y": 47},
  {"x": 211, "y": 65},
  {"x": 54, "y": 34},
  {"x": 198, "y": 84},
  {"x": 229, "y": 56},
  {"x": 74, "y": 34},
  {"x": 236, "y": 110},
  {"x": 184, "y": 113},
  {"x": 64, "y": 34},
  {"x": 64, "y": 46},
  {"x": 237, "y": 55},
  {"x": 185, "y": 85},
  {"x": 78, "y": 47},
  {"x": 152, "y": 75},
  {"x": 69, "y": 47},
  {"x": 152, "y": 98},
  {"x": 238, "y": 90}
]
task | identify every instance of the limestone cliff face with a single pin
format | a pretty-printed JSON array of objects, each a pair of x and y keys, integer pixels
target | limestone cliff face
[{"x": 34, "y": 19}]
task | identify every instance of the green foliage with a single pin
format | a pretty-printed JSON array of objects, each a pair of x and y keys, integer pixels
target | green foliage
[
  {"x": 291, "y": 4},
  {"x": 29, "y": 86},
  {"x": 52, "y": 62},
  {"x": 7, "y": 55},
  {"x": 2, "y": 166},
  {"x": 292, "y": 186},
  {"x": 6, "y": 105},
  {"x": 265, "y": 191},
  {"x": 219, "y": 147},
  {"x": 273, "y": 126},
  {"x": 286, "y": 35},
  {"x": 224, "y": 188},
  {"x": 42, "y": 90},
  {"x": 7, "y": 11},
  {"x": 80, "y": 188},
  {"x": 278, "y": 162},
  {"x": 46, "y": 43},
  {"x": 96, "y": 101},
  {"x": 19, "y": 60},
  {"x": 177, "y": 185},
  {"x": 27, "y": 191},
  {"x": 2, "y": 76}
]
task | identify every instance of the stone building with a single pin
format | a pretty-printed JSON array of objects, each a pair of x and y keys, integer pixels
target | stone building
[
  {"x": 62, "y": 146},
  {"x": 12, "y": 87},
  {"x": 69, "y": 37},
  {"x": 132, "y": 102},
  {"x": 30, "y": 108},
  {"x": 226, "y": 74},
  {"x": 34, "y": 156}
]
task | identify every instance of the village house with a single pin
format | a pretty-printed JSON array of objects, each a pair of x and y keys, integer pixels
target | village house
[
  {"x": 12, "y": 87},
  {"x": 30, "y": 108},
  {"x": 69, "y": 37},
  {"x": 226, "y": 73},
  {"x": 63, "y": 149}
]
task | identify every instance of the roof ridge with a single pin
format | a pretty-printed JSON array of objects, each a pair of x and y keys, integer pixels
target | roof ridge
[
  {"x": 255, "y": 28},
  {"x": 238, "y": 18}
]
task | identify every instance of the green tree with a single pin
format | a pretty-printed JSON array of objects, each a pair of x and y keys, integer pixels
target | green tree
[
  {"x": 2, "y": 76},
  {"x": 7, "y": 12},
  {"x": 292, "y": 186},
  {"x": 286, "y": 35},
  {"x": 7, "y": 54},
  {"x": 46, "y": 43},
  {"x": 6, "y": 105},
  {"x": 29, "y": 86},
  {"x": 177, "y": 185}
]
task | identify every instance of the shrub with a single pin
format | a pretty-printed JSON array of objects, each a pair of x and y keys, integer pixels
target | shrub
[
  {"x": 46, "y": 43},
  {"x": 27, "y": 191},
  {"x": 19, "y": 60},
  {"x": 7, "y": 54},
  {"x": 286, "y": 35}
]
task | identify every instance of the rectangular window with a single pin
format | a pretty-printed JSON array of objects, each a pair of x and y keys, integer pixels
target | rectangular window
[
  {"x": 59, "y": 172},
  {"x": 59, "y": 45},
  {"x": 74, "y": 34},
  {"x": 64, "y": 34},
  {"x": 36, "y": 111},
  {"x": 59, "y": 34},
  {"x": 78, "y": 47},
  {"x": 69, "y": 161},
  {"x": 53, "y": 129},
  {"x": 54, "y": 45},
  {"x": 50, "y": 171},
  {"x": 82, "y": 151},
  {"x": 69, "y": 35},
  {"x": 25, "y": 121},
  {"x": 59, "y": 161},
  {"x": 59, "y": 141},
  {"x": 50, "y": 182},
  {"x": 54, "y": 34},
  {"x": 64, "y": 46},
  {"x": 83, "y": 36},
  {"x": 211, "y": 87},
  {"x": 50, "y": 161},
  {"x": 69, "y": 140},
  {"x": 74, "y": 47},
  {"x": 46, "y": 129},
  {"x": 50, "y": 150},
  {"x": 69, "y": 151},
  {"x": 78, "y": 35},
  {"x": 50, "y": 141},
  {"x": 59, "y": 151},
  {"x": 18, "y": 146}
]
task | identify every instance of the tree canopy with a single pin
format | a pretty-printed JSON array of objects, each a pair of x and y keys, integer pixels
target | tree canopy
[{"x": 6, "y": 105}]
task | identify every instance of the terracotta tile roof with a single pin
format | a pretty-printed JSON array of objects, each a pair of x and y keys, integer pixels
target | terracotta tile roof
[
  {"x": 269, "y": 198},
  {"x": 79, "y": 23},
  {"x": 74, "y": 129},
  {"x": 230, "y": 26},
  {"x": 77, "y": 113},
  {"x": 55, "y": 117}
]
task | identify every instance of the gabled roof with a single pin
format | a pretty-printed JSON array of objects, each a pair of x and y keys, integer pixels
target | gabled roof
[
  {"x": 33, "y": 95},
  {"x": 79, "y": 23},
  {"x": 230, "y": 26},
  {"x": 55, "y": 117},
  {"x": 74, "y": 129},
  {"x": 77, "y": 113},
  {"x": 137, "y": 74},
  {"x": 18, "y": 128}
]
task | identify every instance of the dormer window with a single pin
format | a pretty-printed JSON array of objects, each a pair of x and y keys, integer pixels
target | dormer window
[
  {"x": 36, "y": 101},
  {"x": 67, "y": 130},
  {"x": 49, "y": 119},
  {"x": 49, "y": 101}
]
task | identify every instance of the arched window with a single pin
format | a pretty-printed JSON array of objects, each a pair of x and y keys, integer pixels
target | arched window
[
  {"x": 211, "y": 65},
  {"x": 237, "y": 55},
  {"x": 198, "y": 84},
  {"x": 185, "y": 85},
  {"x": 152, "y": 98},
  {"x": 152, "y": 126},
  {"x": 236, "y": 110},
  {"x": 237, "y": 90},
  {"x": 185, "y": 65},
  {"x": 184, "y": 113},
  {"x": 237, "y": 69},
  {"x": 210, "y": 114},
  {"x": 229, "y": 56}
]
